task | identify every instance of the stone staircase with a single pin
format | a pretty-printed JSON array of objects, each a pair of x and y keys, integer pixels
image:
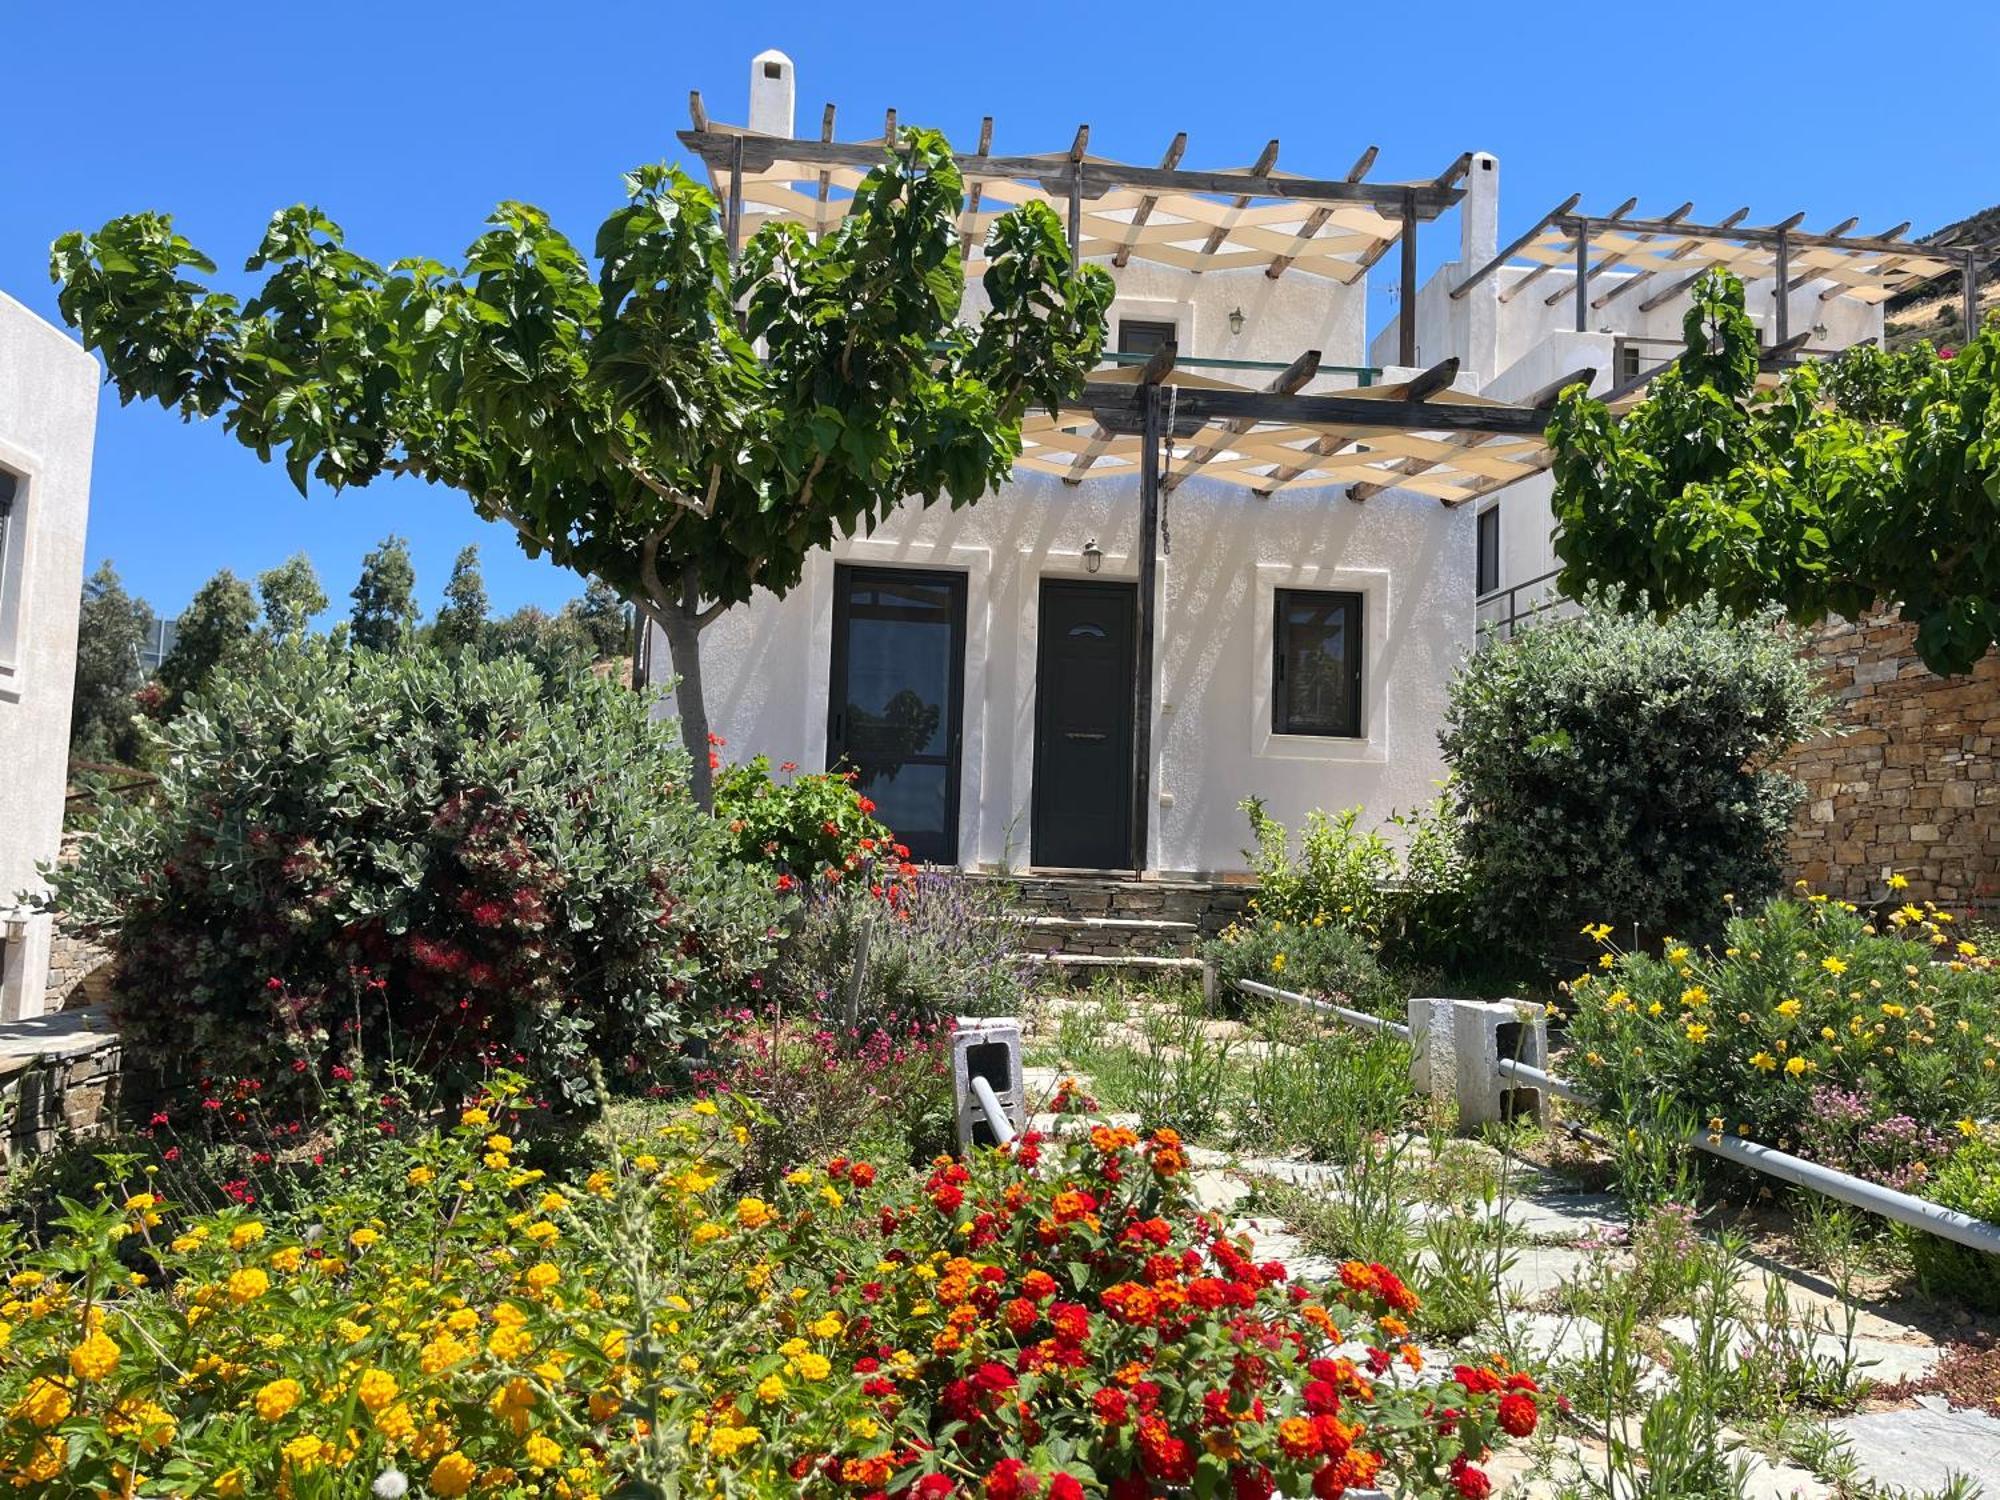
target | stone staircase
[{"x": 1084, "y": 925}]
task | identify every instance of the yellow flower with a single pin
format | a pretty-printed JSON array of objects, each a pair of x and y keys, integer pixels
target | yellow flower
[
  {"x": 243, "y": 1236},
  {"x": 825, "y": 1326},
  {"x": 1694, "y": 995},
  {"x": 420, "y": 1176},
  {"x": 813, "y": 1366},
  {"x": 274, "y": 1400},
  {"x": 704, "y": 1106},
  {"x": 1597, "y": 932},
  {"x": 770, "y": 1389},
  {"x": 1833, "y": 965},
  {"x": 363, "y": 1237},
  {"x": 475, "y": 1118},
  {"x": 1764, "y": 1062},
  {"x": 1899, "y": 882},
  {"x": 1894, "y": 1011},
  {"x": 451, "y": 1476},
  {"x": 375, "y": 1389},
  {"x": 1796, "y": 1066},
  {"x": 541, "y": 1276},
  {"x": 727, "y": 1442},
  {"x": 799, "y": 1177},
  {"x": 231, "y": 1485},
  {"x": 288, "y": 1259},
  {"x": 1967, "y": 1128},
  {"x": 44, "y": 1404},
  {"x": 1277, "y": 963},
  {"x": 97, "y": 1356},
  {"x": 1697, "y": 1032},
  {"x": 542, "y": 1232},
  {"x": 543, "y": 1453},
  {"x": 1790, "y": 1008},
  {"x": 248, "y": 1284},
  {"x": 1655, "y": 1008},
  {"x": 754, "y": 1213}
]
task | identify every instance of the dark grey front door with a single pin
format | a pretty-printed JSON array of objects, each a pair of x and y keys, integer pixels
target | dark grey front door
[
  {"x": 1083, "y": 726},
  {"x": 897, "y": 702}
]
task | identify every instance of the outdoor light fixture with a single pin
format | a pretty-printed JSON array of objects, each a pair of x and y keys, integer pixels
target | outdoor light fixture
[
  {"x": 1093, "y": 556},
  {"x": 1235, "y": 321}
]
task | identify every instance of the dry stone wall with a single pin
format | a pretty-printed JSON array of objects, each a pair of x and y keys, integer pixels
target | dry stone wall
[{"x": 1907, "y": 784}]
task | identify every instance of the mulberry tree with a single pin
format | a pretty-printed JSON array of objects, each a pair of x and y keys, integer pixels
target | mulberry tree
[{"x": 646, "y": 413}]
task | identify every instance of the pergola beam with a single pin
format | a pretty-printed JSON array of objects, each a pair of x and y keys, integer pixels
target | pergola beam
[
  {"x": 972, "y": 195},
  {"x": 1316, "y": 220},
  {"x": 1294, "y": 377},
  {"x": 1515, "y": 248},
  {"x": 1266, "y": 159},
  {"x": 1145, "y": 209},
  {"x": 1540, "y": 400},
  {"x": 1611, "y": 261},
  {"x": 1093, "y": 178},
  {"x": 1116, "y": 407},
  {"x": 1686, "y": 249},
  {"x": 1509, "y": 293}
]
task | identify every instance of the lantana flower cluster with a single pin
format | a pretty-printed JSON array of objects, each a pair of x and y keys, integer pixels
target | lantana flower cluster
[{"x": 1049, "y": 1322}]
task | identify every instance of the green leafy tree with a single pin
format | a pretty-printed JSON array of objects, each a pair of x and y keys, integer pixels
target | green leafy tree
[
  {"x": 683, "y": 428},
  {"x": 215, "y": 631},
  {"x": 461, "y": 621},
  {"x": 112, "y": 628},
  {"x": 385, "y": 599},
  {"x": 292, "y": 596},
  {"x": 605, "y": 617},
  {"x": 1868, "y": 482},
  {"x": 557, "y": 646}
]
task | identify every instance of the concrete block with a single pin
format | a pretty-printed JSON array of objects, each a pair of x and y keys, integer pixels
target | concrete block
[
  {"x": 1483, "y": 1032},
  {"x": 1433, "y": 1065},
  {"x": 987, "y": 1047}
]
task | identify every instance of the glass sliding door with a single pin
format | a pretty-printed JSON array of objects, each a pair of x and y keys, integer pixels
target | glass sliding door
[{"x": 897, "y": 702}]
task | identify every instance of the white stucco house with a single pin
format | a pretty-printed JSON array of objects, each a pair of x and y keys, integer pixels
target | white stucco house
[
  {"x": 977, "y": 667},
  {"x": 48, "y": 416}
]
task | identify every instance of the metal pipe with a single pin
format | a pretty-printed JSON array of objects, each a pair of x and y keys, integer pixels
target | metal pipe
[
  {"x": 1918, "y": 1213},
  {"x": 1355, "y": 1018},
  {"x": 996, "y": 1112}
]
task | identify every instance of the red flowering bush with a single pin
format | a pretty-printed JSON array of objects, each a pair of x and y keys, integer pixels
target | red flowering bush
[
  {"x": 812, "y": 830},
  {"x": 409, "y": 857}
]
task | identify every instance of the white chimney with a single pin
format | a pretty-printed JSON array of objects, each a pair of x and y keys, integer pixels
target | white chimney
[
  {"x": 1479, "y": 242},
  {"x": 773, "y": 84}
]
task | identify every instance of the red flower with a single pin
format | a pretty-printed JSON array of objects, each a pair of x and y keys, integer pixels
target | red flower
[
  {"x": 867, "y": 806},
  {"x": 1065, "y": 1487},
  {"x": 1471, "y": 1482},
  {"x": 1010, "y": 1479},
  {"x": 1518, "y": 1414},
  {"x": 1071, "y": 1320},
  {"x": 1113, "y": 1407}
]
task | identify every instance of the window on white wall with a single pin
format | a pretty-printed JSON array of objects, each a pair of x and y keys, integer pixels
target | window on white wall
[
  {"x": 1316, "y": 666},
  {"x": 1488, "y": 566},
  {"x": 1145, "y": 335},
  {"x": 13, "y": 542}
]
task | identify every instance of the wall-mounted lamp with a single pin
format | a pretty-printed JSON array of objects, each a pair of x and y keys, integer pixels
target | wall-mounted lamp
[
  {"x": 1093, "y": 556},
  {"x": 1235, "y": 321}
]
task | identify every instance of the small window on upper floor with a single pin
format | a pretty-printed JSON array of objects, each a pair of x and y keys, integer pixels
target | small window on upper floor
[
  {"x": 1145, "y": 335},
  {"x": 13, "y": 539},
  {"x": 1627, "y": 361},
  {"x": 1488, "y": 566},
  {"x": 1316, "y": 666}
]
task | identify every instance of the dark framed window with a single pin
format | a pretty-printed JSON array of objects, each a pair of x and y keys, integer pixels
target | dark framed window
[
  {"x": 1488, "y": 566},
  {"x": 1316, "y": 670},
  {"x": 1144, "y": 336},
  {"x": 1627, "y": 356}
]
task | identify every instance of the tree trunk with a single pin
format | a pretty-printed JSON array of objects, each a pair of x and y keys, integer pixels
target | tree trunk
[{"x": 681, "y": 622}]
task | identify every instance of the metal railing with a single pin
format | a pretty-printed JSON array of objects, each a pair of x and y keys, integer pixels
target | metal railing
[
  {"x": 1856, "y": 1192},
  {"x": 1519, "y": 605}
]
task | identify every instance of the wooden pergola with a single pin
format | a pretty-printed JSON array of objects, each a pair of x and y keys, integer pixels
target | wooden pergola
[{"x": 1663, "y": 257}]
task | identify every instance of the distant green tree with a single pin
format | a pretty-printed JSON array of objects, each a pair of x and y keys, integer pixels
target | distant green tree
[
  {"x": 461, "y": 621},
  {"x": 557, "y": 646},
  {"x": 111, "y": 630},
  {"x": 385, "y": 600},
  {"x": 606, "y": 617},
  {"x": 292, "y": 596},
  {"x": 215, "y": 631}
]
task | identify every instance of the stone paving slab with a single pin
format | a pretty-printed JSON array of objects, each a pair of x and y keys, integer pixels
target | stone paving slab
[
  {"x": 1539, "y": 1271},
  {"x": 1922, "y": 1447},
  {"x": 1883, "y": 1361}
]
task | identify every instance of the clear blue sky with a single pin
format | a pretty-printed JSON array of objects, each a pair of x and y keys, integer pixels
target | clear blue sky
[{"x": 407, "y": 123}]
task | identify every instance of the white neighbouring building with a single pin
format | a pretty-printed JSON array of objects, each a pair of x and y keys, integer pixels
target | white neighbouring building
[
  {"x": 48, "y": 417},
  {"x": 1315, "y": 589}
]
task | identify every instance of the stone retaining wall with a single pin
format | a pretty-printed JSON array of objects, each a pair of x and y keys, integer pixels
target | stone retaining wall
[
  {"x": 1909, "y": 786},
  {"x": 1209, "y": 905},
  {"x": 59, "y": 1079},
  {"x": 79, "y": 973}
]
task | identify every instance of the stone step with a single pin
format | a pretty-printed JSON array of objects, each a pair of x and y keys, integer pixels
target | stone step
[
  {"x": 1081, "y": 968},
  {"x": 1106, "y": 935}
]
